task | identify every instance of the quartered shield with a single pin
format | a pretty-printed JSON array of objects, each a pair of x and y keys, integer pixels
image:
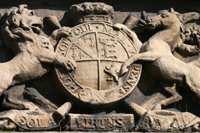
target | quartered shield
[{"x": 99, "y": 52}]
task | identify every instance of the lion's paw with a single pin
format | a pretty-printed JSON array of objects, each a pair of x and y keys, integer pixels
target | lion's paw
[
  {"x": 64, "y": 31},
  {"x": 70, "y": 65}
]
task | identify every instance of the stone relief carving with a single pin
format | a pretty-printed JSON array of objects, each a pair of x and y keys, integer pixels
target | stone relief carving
[
  {"x": 96, "y": 46},
  {"x": 157, "y": 51},
  {"x": 80, "y": 77},
  {"x": 20, "y": 27}
]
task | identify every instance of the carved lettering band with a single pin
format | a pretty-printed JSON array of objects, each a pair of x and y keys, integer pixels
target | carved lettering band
[{"x": 120, "y": 122}]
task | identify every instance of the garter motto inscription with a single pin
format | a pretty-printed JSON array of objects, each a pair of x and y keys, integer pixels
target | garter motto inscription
[{"x": 99, "y": 52}]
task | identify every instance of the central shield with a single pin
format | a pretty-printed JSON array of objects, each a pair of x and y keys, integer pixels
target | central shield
[{"x": 99, "y": 52}]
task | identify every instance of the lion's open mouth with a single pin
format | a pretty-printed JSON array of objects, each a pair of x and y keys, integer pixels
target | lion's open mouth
[{"x": 36, "y": 28}]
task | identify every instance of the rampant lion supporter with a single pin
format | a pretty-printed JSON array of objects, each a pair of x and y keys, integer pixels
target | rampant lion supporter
[{"x": 20, "y": 31}]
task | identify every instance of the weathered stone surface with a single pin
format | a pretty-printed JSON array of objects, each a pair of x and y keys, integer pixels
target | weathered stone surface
[
  {"x": 85, "y": 62},
  {"x": 99, "y": 51},
  {"x": 32, "y": 50},
  {"x": 112, "y": 122}
]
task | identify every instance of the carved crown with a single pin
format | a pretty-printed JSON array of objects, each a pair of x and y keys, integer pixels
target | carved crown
[{"x": 90, "y": 12}]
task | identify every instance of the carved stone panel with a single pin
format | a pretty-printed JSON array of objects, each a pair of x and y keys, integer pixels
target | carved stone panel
[{"x": 86, "y": 67}]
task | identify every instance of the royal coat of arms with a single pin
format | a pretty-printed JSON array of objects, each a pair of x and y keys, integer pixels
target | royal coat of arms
[
  {"x": 84, "y": 73},
  {"x": 99, "y": 51}
]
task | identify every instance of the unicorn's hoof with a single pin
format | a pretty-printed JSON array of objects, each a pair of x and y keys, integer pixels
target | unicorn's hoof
[{"x": 123, "y": 71}]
